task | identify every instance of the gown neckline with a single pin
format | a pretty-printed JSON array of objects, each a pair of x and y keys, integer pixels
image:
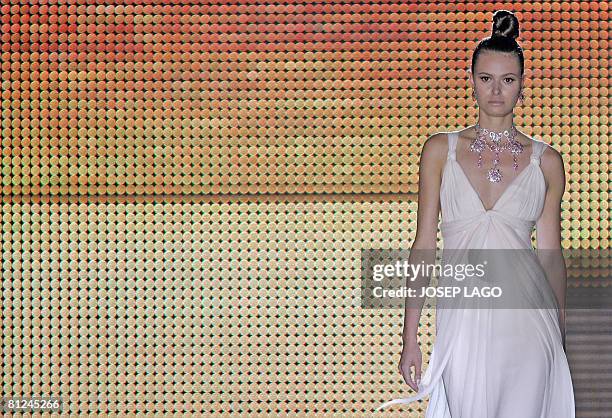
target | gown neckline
[{"x": 501, "y": 196}]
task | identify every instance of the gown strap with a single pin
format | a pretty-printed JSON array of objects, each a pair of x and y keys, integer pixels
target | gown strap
[
  {"x": 538, "y": 150},
  {"x": 452, "y": 145}
]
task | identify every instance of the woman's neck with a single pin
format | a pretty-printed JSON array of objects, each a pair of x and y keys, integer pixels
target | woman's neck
[{"x": 496, "y": 124}]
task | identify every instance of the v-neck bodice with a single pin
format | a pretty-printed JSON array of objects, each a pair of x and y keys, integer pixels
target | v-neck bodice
[{"x": 517, "y": 208}]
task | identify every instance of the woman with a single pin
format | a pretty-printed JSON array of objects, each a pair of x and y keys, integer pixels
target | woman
[{"x": 493, "y": 184}]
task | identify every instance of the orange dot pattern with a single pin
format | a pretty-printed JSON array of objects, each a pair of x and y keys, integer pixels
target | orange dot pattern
[{"x": 186, "y": 189}]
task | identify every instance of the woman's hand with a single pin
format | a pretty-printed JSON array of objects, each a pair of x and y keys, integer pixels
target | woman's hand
[{"x": 411, "y": 356}]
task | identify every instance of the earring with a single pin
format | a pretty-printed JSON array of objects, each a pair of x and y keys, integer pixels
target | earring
[
  {"x": 474, "y": 97},
  {"x": 522, "y": 98}
]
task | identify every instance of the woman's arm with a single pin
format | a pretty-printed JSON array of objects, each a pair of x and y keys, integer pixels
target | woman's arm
[
  {"x": 432, "y": 159},
  {"x": 548, "y": 230}
]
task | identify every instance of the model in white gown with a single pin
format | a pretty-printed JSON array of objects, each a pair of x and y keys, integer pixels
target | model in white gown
[{"x": 496, "y": 363}]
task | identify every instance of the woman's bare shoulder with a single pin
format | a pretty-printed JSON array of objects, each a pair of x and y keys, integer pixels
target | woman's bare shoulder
[
  {"x": 436, "y": 143},
  {"x": 434, "y": 151},
  {"x": 551, "y": 164},
  {"x": 548, "y": 154}
]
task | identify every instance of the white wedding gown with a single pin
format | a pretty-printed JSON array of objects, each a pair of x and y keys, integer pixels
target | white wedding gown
[{"x": 496, "y": 363}]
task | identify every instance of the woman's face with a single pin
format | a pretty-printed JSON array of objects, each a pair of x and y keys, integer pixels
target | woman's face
[{"x": 497, "y": 82}]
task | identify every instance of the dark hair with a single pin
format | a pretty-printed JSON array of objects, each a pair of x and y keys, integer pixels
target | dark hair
[{"x": 505, "y": 31}]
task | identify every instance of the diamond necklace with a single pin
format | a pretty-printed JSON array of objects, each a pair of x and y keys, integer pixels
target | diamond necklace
[{"x": 481, "y": 141}]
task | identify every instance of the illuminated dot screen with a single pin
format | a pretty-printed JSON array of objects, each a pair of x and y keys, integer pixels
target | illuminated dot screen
[{"x": 187, "y": 188}]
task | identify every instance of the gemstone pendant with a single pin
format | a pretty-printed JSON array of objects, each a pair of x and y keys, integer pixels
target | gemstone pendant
[
  {"x": 494, "y": 176},
  {"x": 494, "y": 137},
  {"x": 516, "y": 147},
  {"x": 477, "y": 145}
]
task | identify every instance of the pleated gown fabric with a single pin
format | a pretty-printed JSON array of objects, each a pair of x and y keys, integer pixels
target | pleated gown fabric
[{"x": 496, "y": 363}]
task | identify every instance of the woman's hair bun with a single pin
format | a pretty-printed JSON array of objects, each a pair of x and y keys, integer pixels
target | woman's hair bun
[{"x": 505, "y": 24}]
